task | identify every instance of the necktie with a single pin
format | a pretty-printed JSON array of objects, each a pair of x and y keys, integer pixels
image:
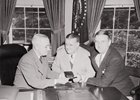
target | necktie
[
  {"x": 100, "y": 59},
  {"x": 71, "y": 61}
]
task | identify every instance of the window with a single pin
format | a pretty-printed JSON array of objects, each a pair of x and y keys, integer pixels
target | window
[
  {"x": 28, "y": 21},
  {"x": 123, "y": 23}
]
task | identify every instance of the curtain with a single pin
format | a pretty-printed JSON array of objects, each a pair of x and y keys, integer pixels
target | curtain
[
  {"x": 68, "y": 16},
  {"x": 55, "y": 10},
  {"x": 6, "y": 12},
  {"x": 137, "y": 7},
  {"x": 94, "y": 11}
]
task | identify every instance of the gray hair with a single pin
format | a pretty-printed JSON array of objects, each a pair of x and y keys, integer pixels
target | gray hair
[{"x": 37, "y": 38}]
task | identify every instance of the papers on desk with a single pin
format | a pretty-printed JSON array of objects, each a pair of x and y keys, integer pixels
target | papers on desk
[
  {"x": 73, "y": 91},
  {"x": 31, "y": 95},
  {"x": 76, "y": 94},
  {"x": 28, "y": 95}
]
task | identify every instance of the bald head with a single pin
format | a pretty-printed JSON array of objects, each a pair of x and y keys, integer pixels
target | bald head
[{"x": 41, "y": 43}]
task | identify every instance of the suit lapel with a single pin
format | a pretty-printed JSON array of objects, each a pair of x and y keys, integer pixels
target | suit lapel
[
  {"x": 94, "y": 63},
  {"x": 105, "y": 59},
  {"x": 101, "y": 67},
  {"x": 39, "y": 66}
]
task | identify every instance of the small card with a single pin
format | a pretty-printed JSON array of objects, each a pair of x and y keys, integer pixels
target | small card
[{"x": 69, "y": 74}]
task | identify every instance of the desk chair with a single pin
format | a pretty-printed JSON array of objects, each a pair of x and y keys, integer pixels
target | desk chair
[
  {"x": 135, "y": 76},
  {"x": 9, "y": 58}
]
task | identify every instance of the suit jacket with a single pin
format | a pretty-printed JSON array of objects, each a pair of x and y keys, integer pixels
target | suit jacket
[
  {"x": 32, "y": 73},
  {"x": 111, "y": 72},
  {"x": 81, "y": 65}
]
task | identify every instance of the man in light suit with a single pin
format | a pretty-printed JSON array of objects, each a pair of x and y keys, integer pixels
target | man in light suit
[
  {"x": 72, "y": 57},
  {"x": 33, "y": 72},
  {"x": 109, "y": 65}
]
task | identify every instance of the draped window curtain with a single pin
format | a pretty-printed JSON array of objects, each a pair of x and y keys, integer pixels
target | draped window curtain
[
  {"x": 137, "y": 7},
  {"x": 55, "y": 10},
  {"x": 94, "y": 11},
  {"x": 6, "y": 12}
]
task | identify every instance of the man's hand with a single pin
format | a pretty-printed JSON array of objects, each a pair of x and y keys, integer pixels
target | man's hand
[
  {"x": 62, "y": 75},
  {"x": 61, "y": 80},
  {"x": 78, "y": 78}
]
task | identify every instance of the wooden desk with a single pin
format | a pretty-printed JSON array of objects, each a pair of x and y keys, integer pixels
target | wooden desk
[
  {"x": 107, "y": 93},
  {"x": 8, "y": 92},
  {"x": 76, "y": 92},
  {"x": 73, "y": 91}
]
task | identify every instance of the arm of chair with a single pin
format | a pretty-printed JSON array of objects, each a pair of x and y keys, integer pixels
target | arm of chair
[{"x": 135, "y": 90}]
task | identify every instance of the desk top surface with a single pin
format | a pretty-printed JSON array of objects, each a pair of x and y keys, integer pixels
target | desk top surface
[{"x": 76, "y": 91}]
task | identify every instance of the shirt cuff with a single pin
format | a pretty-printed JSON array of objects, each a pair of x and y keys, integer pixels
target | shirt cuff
[{"x": 55, "y": 81}]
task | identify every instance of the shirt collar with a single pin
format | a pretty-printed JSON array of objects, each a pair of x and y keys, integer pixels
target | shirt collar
[
  {"x": 103, "y": 54},
  {"x": 38, "y": 55}
]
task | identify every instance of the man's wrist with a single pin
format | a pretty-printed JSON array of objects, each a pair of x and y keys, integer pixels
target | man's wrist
[
  {"x": 80, "y": 78},
  {"x": 55, "y": 81}
]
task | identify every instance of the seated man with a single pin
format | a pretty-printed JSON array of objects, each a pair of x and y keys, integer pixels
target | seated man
[
  {"x": 72, "y": 57},
  {"x": 109, "y": 65},
  {"x": 33, "y": 70}
]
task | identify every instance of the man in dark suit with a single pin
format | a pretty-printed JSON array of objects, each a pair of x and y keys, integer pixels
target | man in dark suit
[
  {"x": 109, "y": 65},
  {"x": 33, "y": 72}
]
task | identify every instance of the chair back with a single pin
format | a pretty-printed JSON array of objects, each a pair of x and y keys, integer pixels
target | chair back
[
  {"x": 135, "y": 77},
  {"x": 10, "y": 55}
]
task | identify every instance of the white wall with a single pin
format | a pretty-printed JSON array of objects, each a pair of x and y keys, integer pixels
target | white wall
[
  {"x": 29, "y": 3},
  {"x": 119, "y": 2},
  {"x": 40, "y": 2}
]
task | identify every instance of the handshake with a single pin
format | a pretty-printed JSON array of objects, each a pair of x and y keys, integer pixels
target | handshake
[{"x": 67, "y": 76}]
